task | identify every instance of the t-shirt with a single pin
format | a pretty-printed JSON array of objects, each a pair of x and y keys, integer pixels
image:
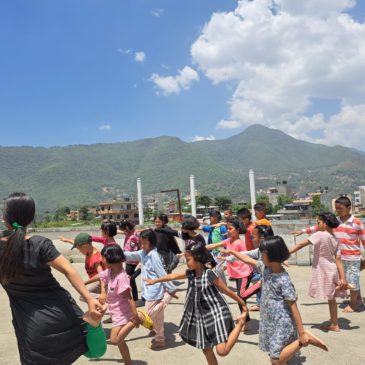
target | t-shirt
[
  {"x": 131, "y": 243},
  {"x": 103, "y": 240},
  {"x": 90, "y": 264},
  {"x": 237, "y": 269},
  {"x": 188, "y": 240},
  {"x": 248, "y": 236},
  {"x": 117, "y": 303}
]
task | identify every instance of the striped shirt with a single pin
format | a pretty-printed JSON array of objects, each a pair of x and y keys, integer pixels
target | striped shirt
[{"x": 349, "y": 234}]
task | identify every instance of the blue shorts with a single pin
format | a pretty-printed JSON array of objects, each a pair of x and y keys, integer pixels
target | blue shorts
[{"x": 352, "y": 272}]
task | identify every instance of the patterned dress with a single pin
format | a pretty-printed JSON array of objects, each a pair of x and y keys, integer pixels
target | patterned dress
[
  {"x": 277, "y": 327},
  {"x": 207, "y": 320}
]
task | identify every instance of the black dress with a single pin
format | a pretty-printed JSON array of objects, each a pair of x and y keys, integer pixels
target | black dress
[{"x": 48, "y": 323}]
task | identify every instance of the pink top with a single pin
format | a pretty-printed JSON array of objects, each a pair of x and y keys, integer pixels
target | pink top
[
  {"x": 237, "y": 269},
  {"x": 103, "y": 240},
  {"x": 118, "y": 305},
  {"x": 131, "y": 243}
]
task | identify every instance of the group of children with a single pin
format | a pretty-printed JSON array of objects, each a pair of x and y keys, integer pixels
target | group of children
[{"x": 255, "y": 264}]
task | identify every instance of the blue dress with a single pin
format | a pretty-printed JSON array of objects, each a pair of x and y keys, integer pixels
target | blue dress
[{"x": 277, "y": 326}]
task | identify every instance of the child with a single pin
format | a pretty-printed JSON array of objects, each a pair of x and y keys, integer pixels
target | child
[
  {"x": 245, "y": 216},
  {"x": 188, "y": 227},
  {"x": 49, "y": 325},
  {"x": 157, "y": 296},
  {"x": 217, "y": 233},
  {"x": 238, "y": 271},
  {"x": 280, "y": 320},
  {"x": 260, "y": 213},
  {"x": 108, "y": 231},
  {"x": 116, "y": 290},
  {"x": 207, "y": 321},
  {"x": 327, "y": 268},
  {"x": 227, "y": 214},
  {"x": 131, "y": 243},
  {"x": 93, "y": 260},
  {"x": 350, "y": 233}
]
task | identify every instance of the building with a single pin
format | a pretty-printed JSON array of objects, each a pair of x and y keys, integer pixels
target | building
[
  {"x": 124, "y": 208},
  {"x": 74, "y": 215},
  {"x": 359, "y": 197}
]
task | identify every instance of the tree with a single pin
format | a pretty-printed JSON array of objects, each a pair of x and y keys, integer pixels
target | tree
[
  {"x": 223, "y": 202},
  {"x": 317, "y": 206},
  {"x": 264, "y": 199},
  {"x": 204, "y": 200}
]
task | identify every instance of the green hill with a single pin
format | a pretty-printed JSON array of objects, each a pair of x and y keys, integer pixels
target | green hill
[{"x": 79, "y": 174}]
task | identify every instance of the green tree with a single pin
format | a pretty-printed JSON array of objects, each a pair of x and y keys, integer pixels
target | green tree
[
  {"x": 317, "y": 206},
  {"x": 223, "y": 202},
  {"x": 264, "y": 199},
  {"x": 203, "y": 200}
]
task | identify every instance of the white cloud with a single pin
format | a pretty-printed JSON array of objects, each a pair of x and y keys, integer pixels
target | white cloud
[
  {"x": 280, "y": 56},
  {"x": 157, "y": 12},
  {"x": 200, "y": 138},
  {"x": 105, "y": 127},
  {"x": 124, "y": 51},
  {"x": 139, "y": 56},
  {"x": 173, "y": 84}
]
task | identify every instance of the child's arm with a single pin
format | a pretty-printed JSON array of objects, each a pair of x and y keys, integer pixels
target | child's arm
[
  {"x": 303, "y": 337},
  {"x": 102, "y": 296},
  {"x": 95, "y": 278},
  {"x": 215, "y": 245},
  {"x": 225, "y": 290},
  {"x": 299, "y": 246},
  {"x": 132, "y": 306},
  {"x": 133, "y": 255},
  {"x": 169, "y": 277},
  {"x": 67, "y": 240},
  {"x": 308, "y": 230},
  {"x": 341, "y": 271},
  {"x": 241, "y": 257}
]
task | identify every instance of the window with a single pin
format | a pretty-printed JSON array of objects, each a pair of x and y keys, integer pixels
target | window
[
  {"x": 110, "y": 216},
  {"x": 118, "y": 216},
  {"x": 126, "y": 216},
  {"x": 104, "y": 216},
  {"x": 128, "y": 206},
  {"x": 136, "y": 216}
]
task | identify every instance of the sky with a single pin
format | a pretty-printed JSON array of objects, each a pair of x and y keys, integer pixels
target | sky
[{"x": 101, "y": 71}]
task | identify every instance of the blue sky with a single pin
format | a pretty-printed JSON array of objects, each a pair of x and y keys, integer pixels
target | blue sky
[{"x": 81, "y": 72}]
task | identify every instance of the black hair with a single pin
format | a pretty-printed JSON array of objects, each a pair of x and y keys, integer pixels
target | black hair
[
  {"x": 190, "y": 223},
  {"x": 261, "y": 207},
  {"x": 228, "y": 210},
  {"x": 162, "y": 217},
  {"x": 126, "y": 223},
  {"x": 113, "y": 254},
  {"x": 329, "y": 219},
  {"x": 343, "y": 200},
  {"x": 216, "y": 214},
  {"x": 201, "y": 254},
  {"x": 264, "y": 231},
  {"x": 19, "y": 210},
  {"x": 110, "y": 228},
  {"x": 150, "y": 236},
  {"x": 237, "y": 224},
  {"x": 244, "y": 213},
  {"x": 276, "y": 249}
]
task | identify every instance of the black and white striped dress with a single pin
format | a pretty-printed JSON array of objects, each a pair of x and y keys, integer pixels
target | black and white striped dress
[{"x": 207, "y": 320}]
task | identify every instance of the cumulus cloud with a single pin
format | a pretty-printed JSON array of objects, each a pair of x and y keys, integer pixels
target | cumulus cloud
[
  {"x": 200, "y": 138},
  {"x": 168, "y": 85},
  {"x": 281, "y": 55},
  {"x": 139, "y": 56},
  {"x": 105, "y": 127}
]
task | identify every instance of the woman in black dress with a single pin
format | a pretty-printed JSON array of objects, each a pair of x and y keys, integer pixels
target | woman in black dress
[{"x": 48, "y": 324}]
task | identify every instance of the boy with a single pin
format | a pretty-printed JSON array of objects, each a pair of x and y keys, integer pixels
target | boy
[
  {"x": 93, "y": 260},
  {"x": 245, "y": 216},
  {"x": 260, "y": 213}
]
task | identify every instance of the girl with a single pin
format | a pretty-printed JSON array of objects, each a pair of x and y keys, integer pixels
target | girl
[
  {"x": 167, "y": 246},
  {"x": 108, "y": 232},
  {"x": 131, "y": 243},
  {"x": 116, "y": 290},
  {"x": 327, "y": 268},
  {"x": 157, "y": 296},
  {"x": 280, "y": 320},
  {"x": 48, "y": 324},
  {"x": 236, "y": 270},
  {"x": 207, "y": 320}
]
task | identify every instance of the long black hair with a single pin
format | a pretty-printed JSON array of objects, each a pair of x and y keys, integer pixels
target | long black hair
[
  {"x": 110, "y": 228},
  {"x": 19, "y": 210},
  {"x": 201, "y": 254}
]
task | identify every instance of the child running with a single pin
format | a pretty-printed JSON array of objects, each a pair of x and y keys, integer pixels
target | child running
[
  {"x": 207, "y": 321},
  {"x": 108, "y": 232},
  {"x": 281, "y": 328},
  {"x": 116, "y": 291},
  {"x": 327, "y": 268},
  {"x": 157, "y": 296}
]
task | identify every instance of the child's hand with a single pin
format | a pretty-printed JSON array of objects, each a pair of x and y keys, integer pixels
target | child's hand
[
  {"x": 304, "y": 339},
  {"x": 135, "y": 319},
  {"x": 173, "y": 294},
  {"x": 149, "y": 281},
  {"x": 180, "y": 255},
  {"x": 296, "y": 233},
  {"x": 223, "y": 250},
  {"x": 102, "y": 298},
  {"x": 62, "y": 238},
  {"x": 286, "y": 263}
]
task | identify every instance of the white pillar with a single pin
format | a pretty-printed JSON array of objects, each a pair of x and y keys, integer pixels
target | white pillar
[
  {"x": 252, "y": 192},
  {"x": 140, "y": 201},
  {"x": 192, "y": 195}
]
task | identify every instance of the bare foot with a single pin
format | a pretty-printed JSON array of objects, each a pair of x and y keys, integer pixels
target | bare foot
[
  {"x": 348, "y": 309},
  {"x": 315, "y": 341},
  {"x": 331, "y": 327}
]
